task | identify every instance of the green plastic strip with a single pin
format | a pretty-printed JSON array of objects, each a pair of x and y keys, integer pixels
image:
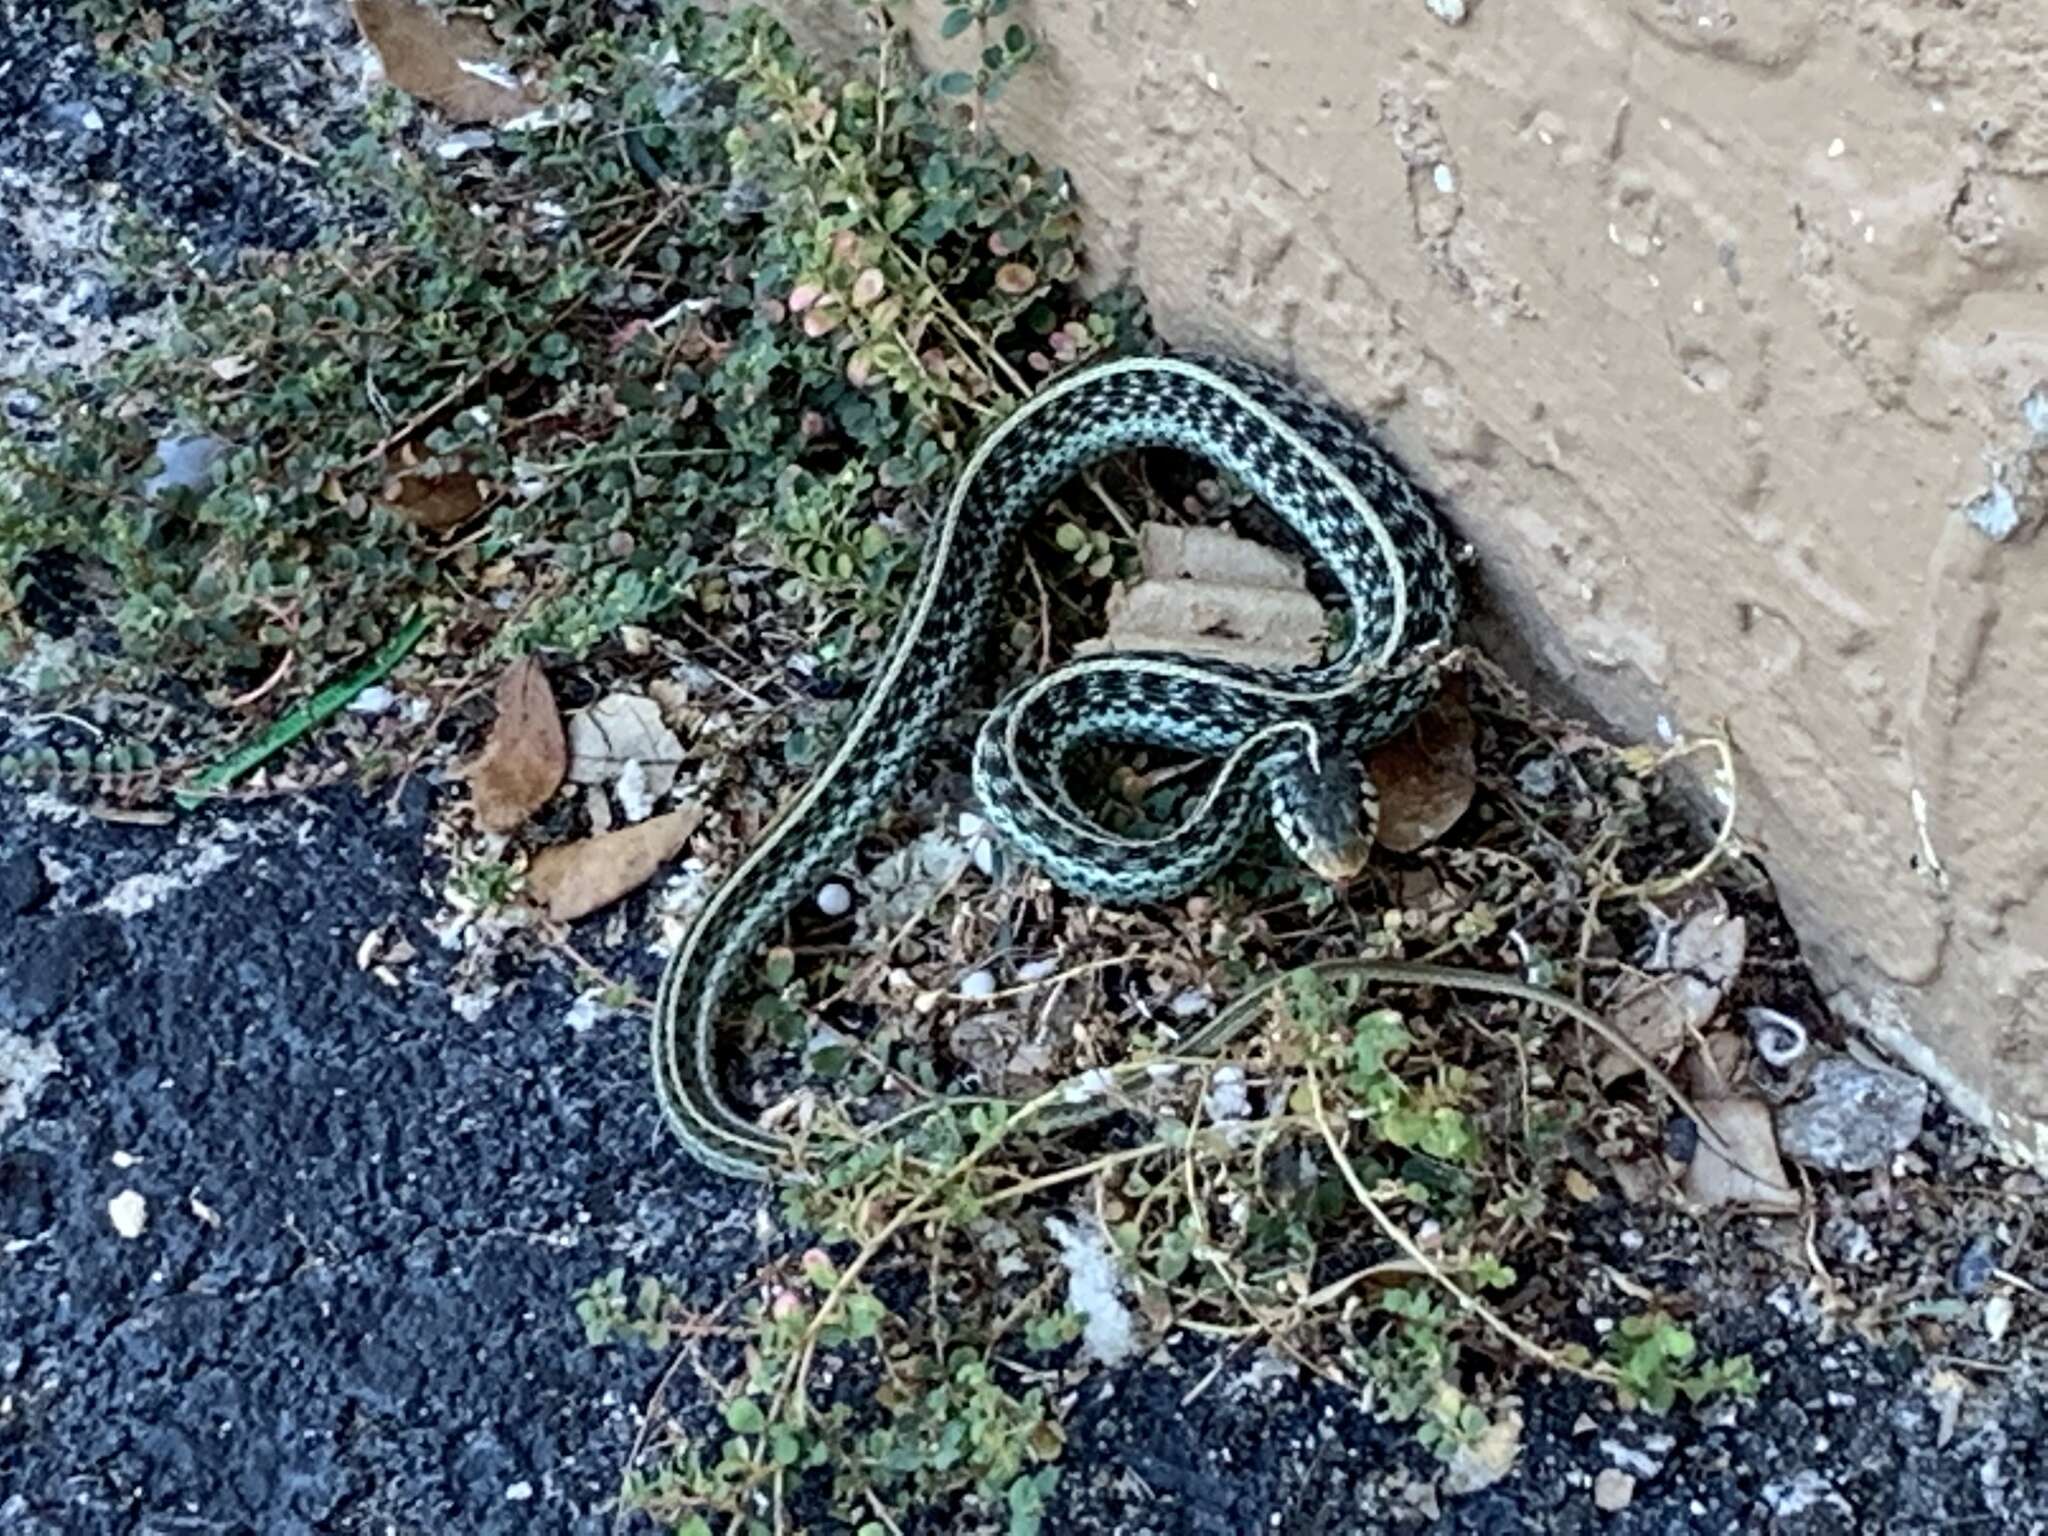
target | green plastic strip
[{"x": 303, "y": 717}]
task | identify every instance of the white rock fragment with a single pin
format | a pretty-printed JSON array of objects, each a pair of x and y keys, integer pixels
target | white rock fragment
[
  {"x": 456, "y": 145},
  {"x": 1613, "y": 1490},
  {"x": 636, "y": 800},
  {"x": 1450, "y": 12},
  {"x": 1997, "y": 1317},
  {"x": 978, "y": 984},
  {"x": 1094, "y": 1289},
  {"x": 129, "y": 1213},
  {"x": 834, "y": 899},
  {"x": 374, "y": 700},
  {"x": 1227, "y": 1098}
]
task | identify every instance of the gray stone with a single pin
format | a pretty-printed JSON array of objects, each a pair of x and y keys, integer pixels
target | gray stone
[{"x": 1854, "y": 1118}]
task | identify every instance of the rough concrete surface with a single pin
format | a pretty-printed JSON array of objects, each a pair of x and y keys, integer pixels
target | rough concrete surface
[
  {"x": 1725, "y": 329},
  {"x": 349, "y": 1306}
]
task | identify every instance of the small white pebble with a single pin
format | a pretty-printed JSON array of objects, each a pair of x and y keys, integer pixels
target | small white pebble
[
  {"x": 1664, "y": 123},
  {"x": 92, "y": 122},
  {"x": 129, "y": 1213},
  {"x": 978, "y": 984},
  {"x": 1699, "y": 306},
  {"x": 1836, "y": 149},
  {"x": 372, "y": 701},
  {"x": 124, "y": 1159},
  {"x": 1446, "y": 182},
  {"x": 1870, "y": 234},
  {"x": 519, "y": 1492},
  {"x": 1936, "y": 104},
  {"x": 835, "y": 900},
  {"x": 1997, "y": 1317},
  {"x": 1036, "y": 970}
]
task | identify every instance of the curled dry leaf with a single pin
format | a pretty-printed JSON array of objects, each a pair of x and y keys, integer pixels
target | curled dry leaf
[
  {"x": 523, "y": 762},
  {"x": 1426, "y": 776},
  {"x": 1015, "y": 278},
  {"x": 451, "y": 62},
  {"x": 576, "y": 879}
]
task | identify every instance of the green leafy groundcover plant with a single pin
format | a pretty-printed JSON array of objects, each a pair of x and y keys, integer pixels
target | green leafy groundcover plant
[{"x": 711, "y": 297}]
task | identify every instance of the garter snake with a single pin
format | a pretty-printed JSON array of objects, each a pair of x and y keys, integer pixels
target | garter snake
[{"x": 1286, "y": 742}]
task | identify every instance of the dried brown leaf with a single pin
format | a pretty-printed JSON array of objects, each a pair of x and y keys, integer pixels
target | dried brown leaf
[
  {"x": 1705, "y": 955},
  {"x": 522, "y": 763},
  {"x": 436, "y": 502},
  {"x": 451, "y": 62},
  {"x": 1426, "y": 776},
  {"x": 1710, "y": 944},
  {"x": 576, "y": 879},
  {"x": 1209, "y": 592},
  {"x": 1759, "y": 1184},
  {"x": 1015, "y": 278},
  {"x": 1654, "y": 1018}
]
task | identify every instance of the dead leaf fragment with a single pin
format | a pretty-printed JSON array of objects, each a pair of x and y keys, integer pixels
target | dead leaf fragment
[
  {"x": 435, "y": 502},
  {"x": 1426, "y": 776},
  {"x": 1710, "y": 945},
  {"x": 1705, "y": 955},
  {"x": 576, "y": 879},
  {"x": 523, "y": 762},
  {"x": 1711, "y": 1180},
  {"x": 1485, "y": 1461},
  {"x": 623, "y": 734},
  {"x": 1208, "y": 592},
  {"x": 451, "y": 62}
]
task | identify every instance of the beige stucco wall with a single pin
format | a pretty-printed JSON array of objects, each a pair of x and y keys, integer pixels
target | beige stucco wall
[{"x": 1715, "y": 324}]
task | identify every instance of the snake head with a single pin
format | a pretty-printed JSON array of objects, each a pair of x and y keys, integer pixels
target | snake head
[{"x": 1326, "y": 813}]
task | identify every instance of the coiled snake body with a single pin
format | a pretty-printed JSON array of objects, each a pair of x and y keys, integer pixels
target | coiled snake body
[{"x": 1285, "y": 742}]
